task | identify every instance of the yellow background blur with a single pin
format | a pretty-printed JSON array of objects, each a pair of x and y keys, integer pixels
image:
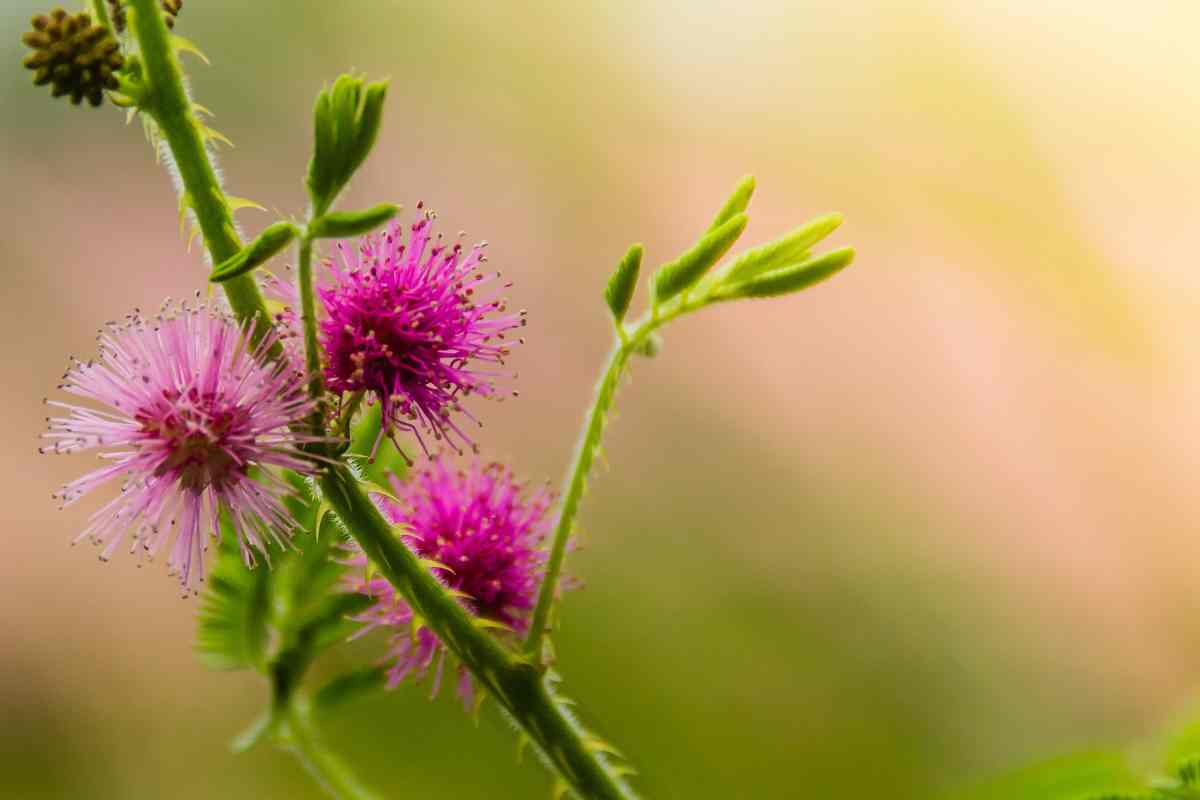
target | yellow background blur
[{"x": 922, "y": 523}]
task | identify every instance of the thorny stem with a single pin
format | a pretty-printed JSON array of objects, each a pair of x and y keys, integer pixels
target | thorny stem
[
  {"x": 166, "y": 100},
  {"x": 520, "y": 687},
  {"x": 523, "y": 690},
  {"x": 628, "y": 342}
]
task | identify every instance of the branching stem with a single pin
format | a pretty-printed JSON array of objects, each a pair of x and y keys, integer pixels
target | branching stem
[{"x": 521, "y": 688}]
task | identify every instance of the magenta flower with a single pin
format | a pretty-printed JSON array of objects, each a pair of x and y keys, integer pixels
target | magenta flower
[
  {"x": 187, "y": 411},
  {"x": 406, "y": 322},
  {"x": 479, "y": 523}
]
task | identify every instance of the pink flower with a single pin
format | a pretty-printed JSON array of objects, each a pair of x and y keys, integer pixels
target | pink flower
[
  {"x": 481, "y": 525},
  {"x": 406, "y": 322},
  {"x": 188, "y": 416}
]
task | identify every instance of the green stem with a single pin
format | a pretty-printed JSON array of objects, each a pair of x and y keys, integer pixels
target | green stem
[
  {"x": 301, "y": 737},
  {"x": 576, "y": 482},
  {"x": 308, "y": 316},
  {"x": 166, "y": 100},
  {"x": 590, "y": 439},
  {"x": 100, "y": 8},
  {"x": 519, "y": 686}
]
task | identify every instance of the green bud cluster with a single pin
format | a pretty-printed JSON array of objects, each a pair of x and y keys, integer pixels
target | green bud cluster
[
  {"x": 780, "y": 267},
  {"x": 76, "y": 57},
  {"x": 346, "y": 121}
]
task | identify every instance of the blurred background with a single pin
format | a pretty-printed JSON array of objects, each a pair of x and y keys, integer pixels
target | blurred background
[{"x": 913, "y": 527}]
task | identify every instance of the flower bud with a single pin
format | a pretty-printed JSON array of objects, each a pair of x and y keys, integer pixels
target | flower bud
[{"x": 77, "y": 58}]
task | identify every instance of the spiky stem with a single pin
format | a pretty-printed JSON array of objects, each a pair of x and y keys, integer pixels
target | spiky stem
[
  {"x": 167, "y": 102},
  {"x": 573, "y": 488},
  {"x": 629, "y": 341},
  {"x": 308, "y": 317},
  {"x": 517, "y": 684}
]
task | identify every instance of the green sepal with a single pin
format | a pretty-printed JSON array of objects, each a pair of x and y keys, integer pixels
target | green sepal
[
  {"x": 788, "y": 279},
  {"x": 346, "y": 224},
  {"x": 790, "y": 249},
  {"x": 266, "y": 246},
  {"x": 673, "y": 278},
  {"x": 623, "y": 282},
  {"x": 736, "y": 204}
]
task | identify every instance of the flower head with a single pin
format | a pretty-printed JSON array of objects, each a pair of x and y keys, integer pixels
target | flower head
[
  {"x": 78, "y": 58},
  {"x": 483, "y": 526},
  {"x": 405, "y": 321},
  {"x": 187, "y": 410}
]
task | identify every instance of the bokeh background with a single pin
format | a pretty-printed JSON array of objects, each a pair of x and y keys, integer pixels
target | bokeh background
[{"x": 916, "y": 526}]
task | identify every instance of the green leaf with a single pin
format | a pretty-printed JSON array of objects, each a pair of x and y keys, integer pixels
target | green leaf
[
  {"x": 623, "y": 282},
  {"x": 346, "y": 224},
  {"x": 273, "y": 239},
  {"x": 789, "y": 249},
  {"x": 320, "y": 168},
  {"x": 673, "y": 278},
  {"x": 233, "y": 621},
  {"x": 349, "y": 686},
  {"x": 367, "y": 126},
  {"x": 736, "y": 204},
  {"x": 789, "y": 279},
  {"x": 344, "y": 101}
]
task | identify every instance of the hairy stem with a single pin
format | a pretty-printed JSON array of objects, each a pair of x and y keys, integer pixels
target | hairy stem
[
  {"x": 573, "y": 488},
  {"x": 167, "y": 101},
  {"x": 628, "y": 343},
  {"x": 308, "y": 316},
  {"x": 301, "y": 738},
  {"x": 520, "y": 687}
]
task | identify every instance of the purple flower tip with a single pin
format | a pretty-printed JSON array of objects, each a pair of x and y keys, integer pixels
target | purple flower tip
[
  {"x": 187, "y": 410},
  {"x": 408, "y": 322},
  {"x": 486, "y": 529}
]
